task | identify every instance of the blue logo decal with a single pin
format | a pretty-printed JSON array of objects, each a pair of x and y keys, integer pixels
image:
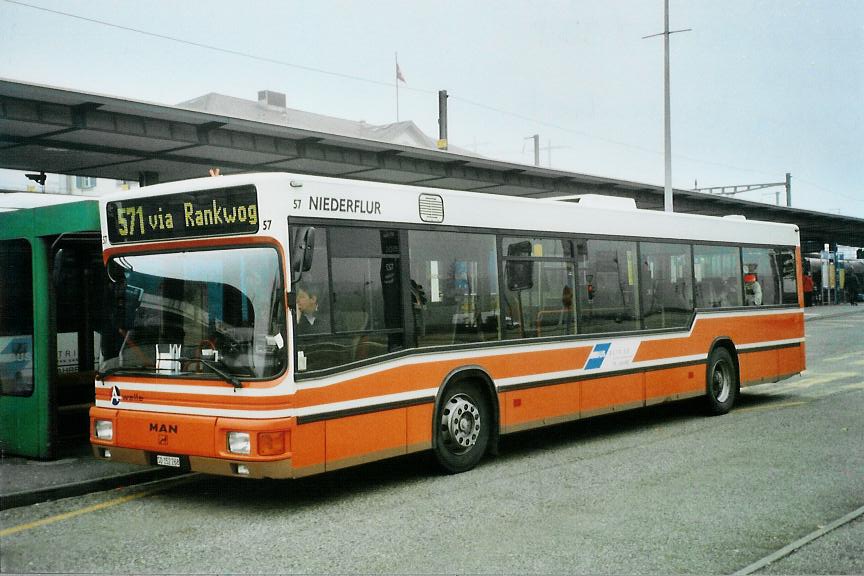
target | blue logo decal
[
  {"x": 598, "y": 354},
  {"x": 115, "y": 396}
]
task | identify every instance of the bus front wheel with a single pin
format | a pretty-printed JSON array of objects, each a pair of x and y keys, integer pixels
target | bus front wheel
[
  {"x": 462, "y": 427},
  {"x": 722, "y": 382}
]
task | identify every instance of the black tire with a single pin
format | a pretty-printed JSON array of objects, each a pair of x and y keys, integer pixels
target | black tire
[
  {"x": 463, "y": 426},
  {"x": 721, "y": 382}
]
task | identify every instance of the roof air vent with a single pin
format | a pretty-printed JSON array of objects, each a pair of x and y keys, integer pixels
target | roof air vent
[
  {"x": 272, "y": 98},
  {"x": 431, "y": 208}
]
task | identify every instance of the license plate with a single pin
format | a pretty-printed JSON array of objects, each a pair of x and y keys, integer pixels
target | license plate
[{"x": 173, "y": 461}]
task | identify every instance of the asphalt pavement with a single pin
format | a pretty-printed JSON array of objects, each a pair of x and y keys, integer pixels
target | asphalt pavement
[{"x": 25, "y": 482}]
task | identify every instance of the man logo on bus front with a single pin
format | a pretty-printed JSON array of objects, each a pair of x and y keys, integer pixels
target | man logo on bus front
[{"x": 115, "y": 396}]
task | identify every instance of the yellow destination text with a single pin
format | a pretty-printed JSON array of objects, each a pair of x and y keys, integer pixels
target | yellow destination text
[{"x": 216, "y": 215}]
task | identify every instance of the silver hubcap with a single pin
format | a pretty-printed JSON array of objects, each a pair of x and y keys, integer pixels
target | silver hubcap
[
  {"x": 460, "y": 423},
  {"x": 721, "y": 382}
]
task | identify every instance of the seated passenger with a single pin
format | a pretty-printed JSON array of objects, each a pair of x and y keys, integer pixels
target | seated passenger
[{"x": 752, "y": 291}]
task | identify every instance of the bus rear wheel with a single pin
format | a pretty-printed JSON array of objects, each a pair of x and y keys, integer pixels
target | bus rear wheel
[
  {"x": 462, "y": 427},
  {"x": 722, "y": 382}
]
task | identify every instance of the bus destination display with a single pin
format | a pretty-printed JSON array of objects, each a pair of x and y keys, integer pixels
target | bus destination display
[{"x": 216, "y": 212}]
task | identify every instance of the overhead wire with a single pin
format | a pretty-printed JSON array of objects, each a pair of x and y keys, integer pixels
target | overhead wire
[
  {"x": 306, "y": 68},
  {"x": 366, "y": 80},
  {"x": 205, "y": 46}
]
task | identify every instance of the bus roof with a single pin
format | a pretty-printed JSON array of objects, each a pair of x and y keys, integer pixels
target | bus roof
[
  {"x": 63, "y": 218},
  {"x": 342, "y": 199}
]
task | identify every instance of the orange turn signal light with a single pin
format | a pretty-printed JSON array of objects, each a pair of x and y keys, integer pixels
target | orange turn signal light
[{"x": 271, "y": 443}]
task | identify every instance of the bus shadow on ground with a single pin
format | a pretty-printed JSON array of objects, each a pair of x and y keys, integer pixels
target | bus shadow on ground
[
  {"x": 421, "y": 468},
  {"x": 610, "y": 426},
  {"x": 756, "y": 399},
  {"x": 605, "y": 427},
  {"x": 310, "y": 492}
]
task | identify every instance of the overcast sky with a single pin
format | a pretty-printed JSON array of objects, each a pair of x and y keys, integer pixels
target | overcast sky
[{"x": 759, "y": 88}]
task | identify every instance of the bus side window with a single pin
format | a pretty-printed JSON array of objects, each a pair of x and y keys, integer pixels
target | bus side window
[
  {"x": 760, "y": 268},
  {"x": 540, "y": 283},
  {"x": 16, "y": 318},
  {"x": 667, "y": 294},
  {"x": 788, "y": 270},
  {"x": 458, "y": 276},
  {"x": 357, "y": 293},
  {"x": 608, "y": 290}
]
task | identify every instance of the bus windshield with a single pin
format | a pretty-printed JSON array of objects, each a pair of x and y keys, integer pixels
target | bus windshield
[{"x": 209, "y": 313}]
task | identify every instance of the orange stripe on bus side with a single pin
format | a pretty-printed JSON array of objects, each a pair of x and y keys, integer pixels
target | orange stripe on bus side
[
  {"x": 430, "y": 374},
  {"x": 741, "y": 329},
  {"x": 389, "y": 432}
]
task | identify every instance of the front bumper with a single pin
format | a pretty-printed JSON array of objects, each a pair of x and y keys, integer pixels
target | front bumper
[{"x": 195, "y": 443}]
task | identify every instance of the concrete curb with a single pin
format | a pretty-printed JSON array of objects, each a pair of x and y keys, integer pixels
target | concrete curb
[
  {"x": 29, "y": 497},
  {"x": 850, "y": 310}
]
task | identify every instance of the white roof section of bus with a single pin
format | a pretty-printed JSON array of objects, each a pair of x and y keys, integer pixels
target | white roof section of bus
[
  {"x": 399, "y": 203},
  {"x": 600, "y": 201}
]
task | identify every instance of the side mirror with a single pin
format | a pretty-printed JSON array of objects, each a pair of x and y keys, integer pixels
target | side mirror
[
  {"x": 302, "y": 251},
  {"x": 520, "y": 273}
]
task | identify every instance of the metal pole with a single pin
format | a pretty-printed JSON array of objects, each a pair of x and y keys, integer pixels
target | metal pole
[
  {"x": 442, "y": 119},
  {"x": 667, "y": 189},
  {"x": 789, "y": 189},
  {"x": 536, "y": 149},
  {"x": 396, "y": 57}
]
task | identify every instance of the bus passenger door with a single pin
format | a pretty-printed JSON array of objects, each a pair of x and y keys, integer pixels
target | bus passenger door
[{"x": 78, "y": 287}]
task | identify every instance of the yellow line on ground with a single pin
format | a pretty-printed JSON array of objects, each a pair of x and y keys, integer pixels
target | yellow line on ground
[
  {"x": 158, "y": 486},
  {"x": 67, "y": 515}
]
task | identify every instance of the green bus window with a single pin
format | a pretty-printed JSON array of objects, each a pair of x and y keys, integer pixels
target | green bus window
[{"x": 16, "y": 318}]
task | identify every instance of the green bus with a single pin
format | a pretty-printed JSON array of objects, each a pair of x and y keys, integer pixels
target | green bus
[{"x": 51, "y": 284}]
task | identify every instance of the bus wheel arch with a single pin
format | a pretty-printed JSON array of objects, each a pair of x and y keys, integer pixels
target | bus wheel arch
[
  {"x": 722, "y": 376},
  {"x": 469, "y": 391}
]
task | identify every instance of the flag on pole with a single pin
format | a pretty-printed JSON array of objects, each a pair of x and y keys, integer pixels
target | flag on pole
[{"x": 399, "y": 75}]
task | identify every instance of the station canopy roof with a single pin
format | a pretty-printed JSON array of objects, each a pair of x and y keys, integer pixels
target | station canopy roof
[{"x": 67, "y": 132}]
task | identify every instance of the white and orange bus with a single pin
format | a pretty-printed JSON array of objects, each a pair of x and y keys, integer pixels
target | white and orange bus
[{"x": 275, "y": 325}]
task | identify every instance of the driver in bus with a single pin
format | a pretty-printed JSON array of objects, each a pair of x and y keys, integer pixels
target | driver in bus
[{"x": 308, "y": 319}]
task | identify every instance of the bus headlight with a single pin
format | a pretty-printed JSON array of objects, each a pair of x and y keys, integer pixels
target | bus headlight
[
  {"x": 239, "y": 443},
  {"x": 104, "y": 429}
]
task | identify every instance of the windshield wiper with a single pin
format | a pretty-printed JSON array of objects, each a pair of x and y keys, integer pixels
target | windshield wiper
[
  {"x": 153, "y": 372},
  {"x": 227, "y": 376}
]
